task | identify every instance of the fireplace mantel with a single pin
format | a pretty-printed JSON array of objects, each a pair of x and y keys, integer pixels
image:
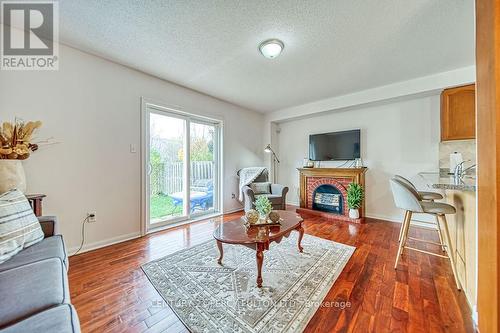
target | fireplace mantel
[{"x": 310, "y": 178}]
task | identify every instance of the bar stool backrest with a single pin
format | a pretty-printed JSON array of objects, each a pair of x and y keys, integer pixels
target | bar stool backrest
[
  {"x": 405, "y": 196},
  {"x": 405, "y": 181}
]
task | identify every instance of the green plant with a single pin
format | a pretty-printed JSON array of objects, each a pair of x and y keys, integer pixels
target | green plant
[
  {"x": 200, "y": 150},
  {"x": 155, "y": 157},
  {"x": 355, "y": 195},
  {"x": 263, "y": 205}
]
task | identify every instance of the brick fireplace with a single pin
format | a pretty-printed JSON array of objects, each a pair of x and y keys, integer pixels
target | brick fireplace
[{"x": 323, "y": 192}]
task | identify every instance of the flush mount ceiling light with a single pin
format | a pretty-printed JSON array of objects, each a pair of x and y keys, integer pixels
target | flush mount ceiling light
[{"x": 271, "y": 48}]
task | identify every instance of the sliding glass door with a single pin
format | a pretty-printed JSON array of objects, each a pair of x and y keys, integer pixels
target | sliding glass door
[
  {"x": 180, "y": 186},
  {"x": 167, "y": 168},
  {"x": 203, "y": 167}
]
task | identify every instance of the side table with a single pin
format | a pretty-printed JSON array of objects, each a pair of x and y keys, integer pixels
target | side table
[{"x": 35, "y": 201}]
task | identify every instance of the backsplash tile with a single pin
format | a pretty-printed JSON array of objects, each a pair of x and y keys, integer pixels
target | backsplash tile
[{"x": 466, "y": 147}]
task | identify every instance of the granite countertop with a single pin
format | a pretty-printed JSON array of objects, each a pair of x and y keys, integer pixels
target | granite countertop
[{"x": 448, "y": 182}]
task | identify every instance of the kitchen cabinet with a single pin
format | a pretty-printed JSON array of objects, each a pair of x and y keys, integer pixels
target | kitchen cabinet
[
  {"x": 462, "y": 227},
  {"x": 458, "y": 113}
]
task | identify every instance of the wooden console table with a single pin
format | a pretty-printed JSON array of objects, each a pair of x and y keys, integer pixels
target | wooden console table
[{"x": 35, "y": 201}]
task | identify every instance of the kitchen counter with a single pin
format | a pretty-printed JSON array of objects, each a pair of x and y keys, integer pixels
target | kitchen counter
[
  {"x": 448, "y": 182},
  {"x": 462, "y": 225}
]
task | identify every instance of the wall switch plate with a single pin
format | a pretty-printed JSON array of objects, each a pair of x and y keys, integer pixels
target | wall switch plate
[
  {"x": 133, "y": 148},
  {"x": 91, "y": 217}
]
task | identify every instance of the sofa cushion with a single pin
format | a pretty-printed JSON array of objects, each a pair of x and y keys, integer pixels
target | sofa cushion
[
  {"x": 60, "y": 319},
  {"x": 32, "y": 288},
  {"x": 261, "y": 188},
  {"x": 19, "y": 227},
  {"x": 50, "y": 247}
]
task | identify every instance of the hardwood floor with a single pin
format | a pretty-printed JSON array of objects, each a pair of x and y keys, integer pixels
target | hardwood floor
[{"x": 112, "y": 294}]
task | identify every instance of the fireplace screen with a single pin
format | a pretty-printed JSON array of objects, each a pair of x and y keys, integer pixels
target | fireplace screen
[{"x": 329, "y": 199}]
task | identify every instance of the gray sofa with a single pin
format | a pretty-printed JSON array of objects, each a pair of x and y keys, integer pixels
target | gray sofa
[
  {"x": 34, "y": 289},
  {"x": 277, "y": 195}
]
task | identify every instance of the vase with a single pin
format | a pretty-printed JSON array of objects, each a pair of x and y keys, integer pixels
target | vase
[
  {"x": 12, "y": 176},
  {"x": 263, "y": 217},
  {"x": 354, "y": 213}
]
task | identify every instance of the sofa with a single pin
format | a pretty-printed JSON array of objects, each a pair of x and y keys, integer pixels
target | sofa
[
  {"x": 277, "y": 195},
  {"x": 34, "y": 289}
]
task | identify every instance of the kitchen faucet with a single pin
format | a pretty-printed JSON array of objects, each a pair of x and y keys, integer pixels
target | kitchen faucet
[{"x": 460, "y": 171}]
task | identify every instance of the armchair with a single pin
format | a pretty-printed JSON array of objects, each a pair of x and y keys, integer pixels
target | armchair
[{"x": 277, "y": 194}]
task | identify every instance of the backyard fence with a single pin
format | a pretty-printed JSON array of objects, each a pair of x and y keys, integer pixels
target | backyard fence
[{"x": 167, "y": 178}]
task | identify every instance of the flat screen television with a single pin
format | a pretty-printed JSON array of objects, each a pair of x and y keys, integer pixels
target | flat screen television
[{"x": 335, "y": 146}]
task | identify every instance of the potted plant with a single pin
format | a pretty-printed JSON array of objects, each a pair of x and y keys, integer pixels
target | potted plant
[
  {"x": 15, "y": 146},
  {"x": 263, "y": 206},
  {"x": 354, "y": 199}
]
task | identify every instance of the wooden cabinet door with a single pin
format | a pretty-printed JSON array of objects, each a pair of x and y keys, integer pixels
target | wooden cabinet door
[
  {"x": 458, "y": 113},
  {"x": 462, "y": 227}
]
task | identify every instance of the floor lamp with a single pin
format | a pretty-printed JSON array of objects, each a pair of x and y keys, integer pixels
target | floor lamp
[{"x": 268, "y": 149}]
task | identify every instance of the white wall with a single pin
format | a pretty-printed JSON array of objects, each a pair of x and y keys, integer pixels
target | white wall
[
  {"x": 399, "y": 137},
  {"x": 93, "y": 107}
]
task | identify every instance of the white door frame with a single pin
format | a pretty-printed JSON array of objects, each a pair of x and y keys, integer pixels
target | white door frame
[{"x": 163, "y": 109}]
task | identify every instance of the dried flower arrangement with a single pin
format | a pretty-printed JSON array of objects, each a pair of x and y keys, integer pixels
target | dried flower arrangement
[{"x": 15, "y": 139}]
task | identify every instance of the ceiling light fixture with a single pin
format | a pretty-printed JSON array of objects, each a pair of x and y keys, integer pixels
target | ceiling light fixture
[{"x": 271, "y": 48}]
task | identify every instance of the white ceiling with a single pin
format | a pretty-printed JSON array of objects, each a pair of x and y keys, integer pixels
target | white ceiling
[{"x": 332, "y": 47}]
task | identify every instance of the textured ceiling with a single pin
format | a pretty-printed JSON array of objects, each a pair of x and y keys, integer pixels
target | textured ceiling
[{"x": 332, "y": 47}]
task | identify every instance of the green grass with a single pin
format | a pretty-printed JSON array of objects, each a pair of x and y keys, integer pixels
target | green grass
[{"x": 162, "y": 205}]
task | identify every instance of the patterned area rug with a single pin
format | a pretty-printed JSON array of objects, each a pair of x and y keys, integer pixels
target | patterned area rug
[{"x": 208, "y": 297}]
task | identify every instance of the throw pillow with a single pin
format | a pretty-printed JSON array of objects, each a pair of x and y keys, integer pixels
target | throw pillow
[
  {"x": 19, "y": 227},
  {"x": 261, "y": 188}
]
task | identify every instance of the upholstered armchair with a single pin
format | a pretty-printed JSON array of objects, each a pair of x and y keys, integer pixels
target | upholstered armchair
[{"x": 276, "y": 193}]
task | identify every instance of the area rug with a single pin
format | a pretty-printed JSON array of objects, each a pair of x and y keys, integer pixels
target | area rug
[{"x": 208, "y": 297}]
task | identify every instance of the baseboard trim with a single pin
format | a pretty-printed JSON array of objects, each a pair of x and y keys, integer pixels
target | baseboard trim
[
  {"x": 104, "y": 243},
  {"x": 475, "y": 316},
  {"x": 134, "y": 235},
  {"x": 416, "y": 223},
  {"x": 422, "y": 224},
  {"x": 235, "y": 210}
]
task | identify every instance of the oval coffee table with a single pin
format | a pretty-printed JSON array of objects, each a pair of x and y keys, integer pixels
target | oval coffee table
[{"x": 258, "y": 238}]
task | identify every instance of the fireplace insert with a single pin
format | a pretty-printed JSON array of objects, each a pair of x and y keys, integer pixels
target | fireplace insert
[{"x": 328, "y": 198}]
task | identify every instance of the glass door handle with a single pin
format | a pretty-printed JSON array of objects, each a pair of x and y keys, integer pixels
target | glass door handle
[{"x": 150, "y": 168}]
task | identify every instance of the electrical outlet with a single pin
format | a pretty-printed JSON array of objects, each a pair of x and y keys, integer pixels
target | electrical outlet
[
  {"x": 233, "y": 196},
  {"x": 91, "y": 217}
]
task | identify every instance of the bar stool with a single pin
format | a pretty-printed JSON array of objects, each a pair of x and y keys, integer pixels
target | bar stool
[
  {"x": 424, "y": 196},
  {"x": 406, "y": 198}
]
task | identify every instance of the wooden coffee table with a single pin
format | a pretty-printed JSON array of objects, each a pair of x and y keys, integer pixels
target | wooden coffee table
[{"x": 258, "y": 238}]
